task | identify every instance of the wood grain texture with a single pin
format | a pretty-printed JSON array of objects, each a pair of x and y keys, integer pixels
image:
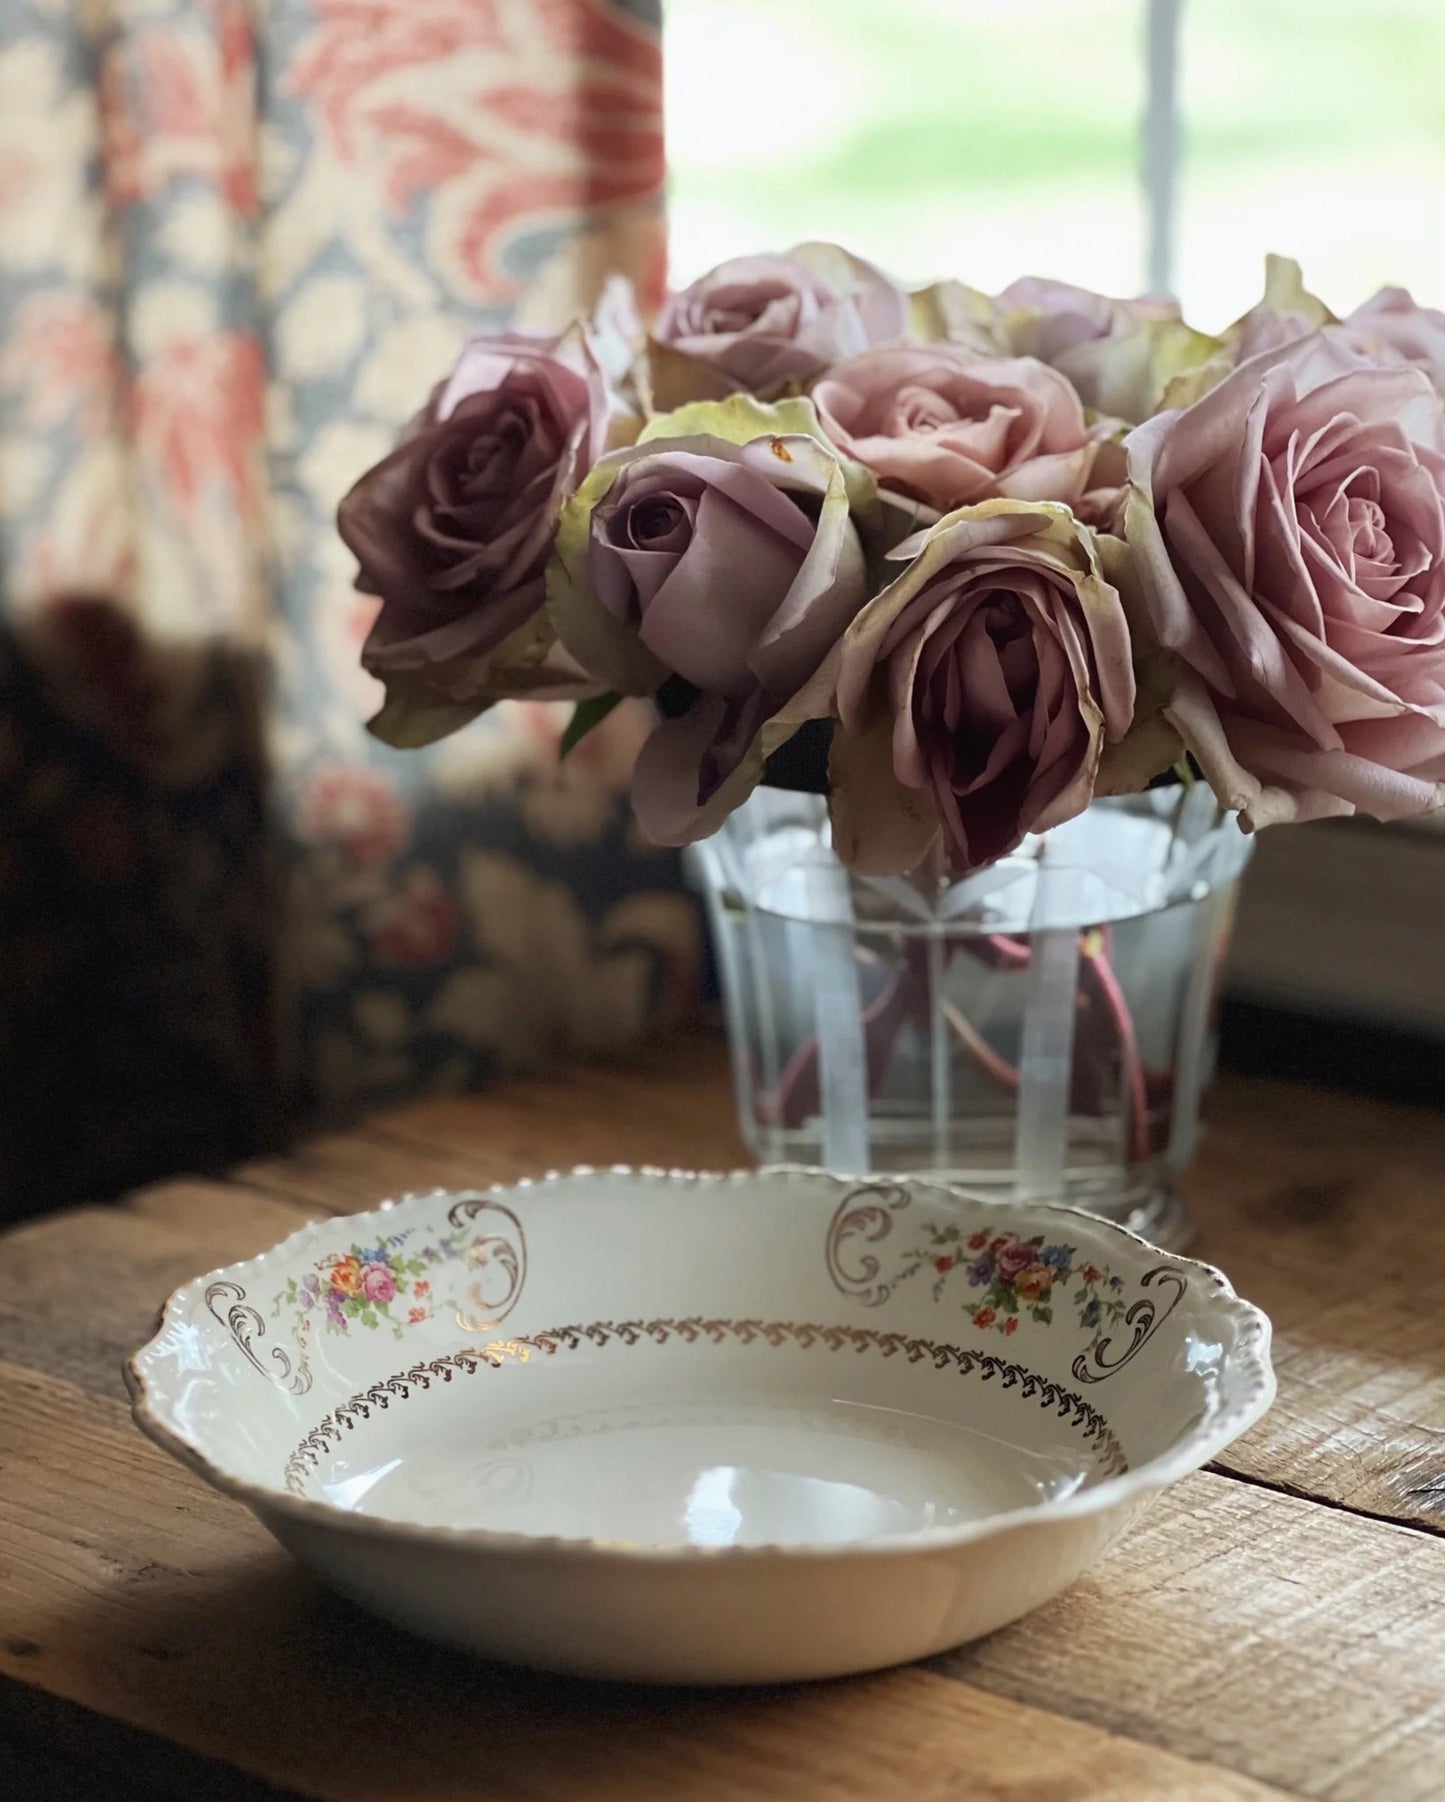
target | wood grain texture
[
  {"x": 1328, "y": 1211},
  {"x": 128, "y": 1587},
  {"x": 1322, "y": 1208},
  {"x": 1241, "y": 1637},
  {"x": 1296, "y": 1642},
  {"x": 80, "y": 1291},
  {"x": 671, "y": 1107}
]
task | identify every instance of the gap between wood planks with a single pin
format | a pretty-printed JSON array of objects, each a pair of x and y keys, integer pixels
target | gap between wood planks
[
  {"x": 1411, "y": 1524},
  {"x": 172, "y": 1612},
  {"x": 138, "y": 1592},
  {"x": 1302, "y": 1199},
  {"x": 1300, "y": 1196}
]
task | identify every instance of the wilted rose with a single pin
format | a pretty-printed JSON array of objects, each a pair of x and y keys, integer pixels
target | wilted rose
[
  {"x": 454, "y": 528},
  {"x": 717, "y": 557},
  {"x": 1286, "y": 312},
  {"x": 1388, "y": 328},
  {"x": 1120, "y": 355},
  {"x": 1289, "y": 529},
  {"x": 978, "y": 692},
  {"x": 758, "y": 324},
  {"x": 1394, "y": 327},
  {"x": 948, "y": 427},
  {"x": 951, "y": 312}
]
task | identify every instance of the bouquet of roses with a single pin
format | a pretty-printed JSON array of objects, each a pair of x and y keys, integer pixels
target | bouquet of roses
[{"x": 965, "y": 561}]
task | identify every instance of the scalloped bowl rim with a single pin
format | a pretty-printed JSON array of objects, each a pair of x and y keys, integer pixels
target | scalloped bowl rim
[{"x": 1249, "y": 1361}]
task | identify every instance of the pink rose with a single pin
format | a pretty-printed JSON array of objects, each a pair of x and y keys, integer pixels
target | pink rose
[
  {"x": 978, "y": 692},
  {"x": 454, "y": 528},
  {"x": 1118, "y": 354},
  {"x": 1286, "y": 311},
  {"x": 1392, "y": 326},
  {"x": 1012, "y": 1258},
  {"x": 948, "y": 427},
  {"x": 1052, "y": 317},
  {"x": 377, "y": 1282},
  {"x": 760, "y": 323},
  {"x": 1289, "y": 529},
  {"x": 1264, "y": 329},
  {"x": 720, "y": 568},
  {"x": 1387, "y": 328}
]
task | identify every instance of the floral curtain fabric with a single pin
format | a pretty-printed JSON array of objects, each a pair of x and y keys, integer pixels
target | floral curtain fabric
[{"x": 234, "y": 236}]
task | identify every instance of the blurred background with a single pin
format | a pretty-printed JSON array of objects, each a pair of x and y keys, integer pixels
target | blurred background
[
  {"x": 988, "y": 139},
  {"x": 992, "y": 138},
  {"x": 238, "y": 244}
]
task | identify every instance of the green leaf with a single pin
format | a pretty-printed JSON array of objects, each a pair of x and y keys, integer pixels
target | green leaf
[
  {"x": 352, "y": 1305},
  {"x": 585, "y": 716},
  {"x": 1044, "y": 1314},
  {"x": 1009, "y": 1302}
]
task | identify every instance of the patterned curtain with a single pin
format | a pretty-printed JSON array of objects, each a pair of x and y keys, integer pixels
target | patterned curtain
[{"x": 238, "y": 240}]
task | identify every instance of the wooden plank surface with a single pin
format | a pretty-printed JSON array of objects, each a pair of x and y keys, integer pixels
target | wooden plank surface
[
  {"x": 673, "y": 1108},
  {"x": 144, "y": 1593},
  {"x": 146, "y": 1596},
  {"x": 1322, "y": 1208},
  {"x": 1328, "y": 1211},
  {"x": 1243, "y": 1636}
]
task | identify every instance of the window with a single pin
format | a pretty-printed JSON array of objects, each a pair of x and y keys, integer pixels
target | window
[{"x": 991, "y": 138}]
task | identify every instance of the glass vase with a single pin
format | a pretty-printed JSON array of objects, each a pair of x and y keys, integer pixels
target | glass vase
[{"x": 1042, "y": 1029}]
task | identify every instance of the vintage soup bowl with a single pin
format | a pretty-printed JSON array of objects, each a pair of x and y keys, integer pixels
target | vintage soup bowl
[{"x": 687, "y": 1428}]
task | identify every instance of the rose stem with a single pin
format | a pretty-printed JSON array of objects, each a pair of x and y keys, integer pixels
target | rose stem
[{"x": 1095, "y": 946}]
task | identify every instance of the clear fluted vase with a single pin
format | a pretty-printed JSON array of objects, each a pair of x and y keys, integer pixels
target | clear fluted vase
[{"x": 1043, "y": 1029}]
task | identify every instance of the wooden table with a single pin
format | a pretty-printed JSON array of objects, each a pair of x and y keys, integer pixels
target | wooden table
[{"x": 1274, "y": 1625}]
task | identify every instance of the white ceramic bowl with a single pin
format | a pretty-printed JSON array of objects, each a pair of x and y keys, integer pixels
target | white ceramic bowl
[{"x": 695, "y": 1428}]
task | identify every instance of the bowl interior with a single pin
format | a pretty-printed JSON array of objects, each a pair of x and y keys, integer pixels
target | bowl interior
[
  {"x": 672, "y": 1361},
  {"x": 680, "y": 1436}
]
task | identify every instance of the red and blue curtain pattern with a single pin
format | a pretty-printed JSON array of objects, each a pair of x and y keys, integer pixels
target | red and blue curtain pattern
[{"x": 237, "y": 240}]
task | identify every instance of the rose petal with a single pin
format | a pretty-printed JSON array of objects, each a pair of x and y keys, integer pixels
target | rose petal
[{"x": 879, "y": 826}]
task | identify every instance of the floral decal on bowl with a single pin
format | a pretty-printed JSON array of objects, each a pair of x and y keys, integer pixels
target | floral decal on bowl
[
  {"x": 1001, "y": 1278},
  {"x": 388, "y": 1282},
  {"x": 1004, "y": 1277},
  {"x": 378, "y": 1285}
]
